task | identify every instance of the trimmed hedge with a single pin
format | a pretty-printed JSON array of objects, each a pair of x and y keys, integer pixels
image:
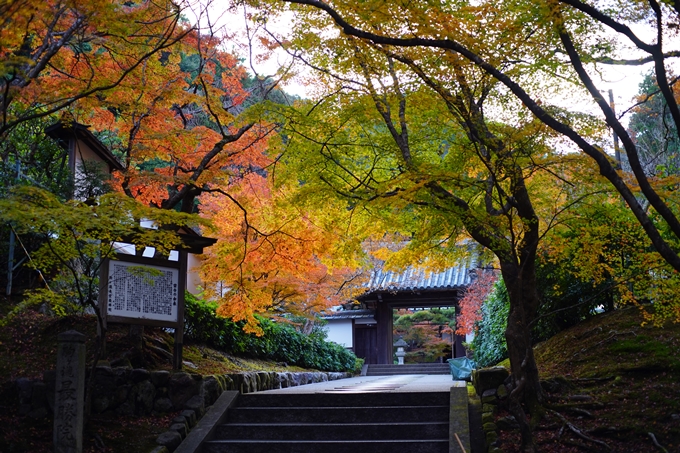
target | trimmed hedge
[{"x": 279, "y": 342}]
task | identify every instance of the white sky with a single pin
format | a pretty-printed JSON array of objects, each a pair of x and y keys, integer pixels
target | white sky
[{"x": 624, "y": 81}]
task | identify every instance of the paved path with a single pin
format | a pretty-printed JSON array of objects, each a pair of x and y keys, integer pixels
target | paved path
[
  {"x": 409, "y": 383},
  {"x": 378, "y": 384}
]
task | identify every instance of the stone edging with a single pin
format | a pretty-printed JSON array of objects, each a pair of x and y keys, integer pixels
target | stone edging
[{"x": 490, "y": 387}]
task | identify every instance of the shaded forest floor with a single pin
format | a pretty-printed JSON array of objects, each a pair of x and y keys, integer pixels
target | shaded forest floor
[{"x": 613, "y": 380}]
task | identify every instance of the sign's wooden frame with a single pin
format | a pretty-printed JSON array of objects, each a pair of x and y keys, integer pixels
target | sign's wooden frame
[{"x": 178, "y": 325}]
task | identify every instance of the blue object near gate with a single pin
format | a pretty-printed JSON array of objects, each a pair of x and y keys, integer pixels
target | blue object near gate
[{"x": 461, "y": 368}]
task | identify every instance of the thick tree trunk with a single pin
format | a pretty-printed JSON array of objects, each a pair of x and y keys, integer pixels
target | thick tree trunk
[{"x": 526, "y": 398}]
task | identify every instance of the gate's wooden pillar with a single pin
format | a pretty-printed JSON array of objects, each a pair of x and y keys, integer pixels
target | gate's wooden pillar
[{"x": 383, "y": 317}]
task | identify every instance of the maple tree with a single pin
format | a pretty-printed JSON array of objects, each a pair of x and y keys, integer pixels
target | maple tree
[
  {"x": 179, "y": 125},
  {"x": 421, "y": 159},
  {"x": 274, "y": 257},
  {"x": 194, "y": 139},
  {"x": 471, "y": 302},
  {"x": 525, "y": 42},
  {"x": 184, "y": 117},
  {"x": 58, "y": 52},
  {"x": 601, "y": 256},
  {"x": 533, "y": 51}
]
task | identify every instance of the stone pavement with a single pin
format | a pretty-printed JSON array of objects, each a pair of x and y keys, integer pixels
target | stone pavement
[{"x": 408, "y": 383}]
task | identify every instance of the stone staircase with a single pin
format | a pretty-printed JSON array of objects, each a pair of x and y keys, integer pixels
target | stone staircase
[
  {"x": 418, "y": 368},
  {"x": 343, "y": 420}
]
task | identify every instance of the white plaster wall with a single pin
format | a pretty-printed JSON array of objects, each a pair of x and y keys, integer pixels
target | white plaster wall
[
  {"x": 84, "y": 153},
  {"x": 193, "y": 278},
  {"x": 340, "y": 332}
]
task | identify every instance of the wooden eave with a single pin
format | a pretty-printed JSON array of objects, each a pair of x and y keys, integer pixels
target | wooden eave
[{"x": 76, "y": 131}]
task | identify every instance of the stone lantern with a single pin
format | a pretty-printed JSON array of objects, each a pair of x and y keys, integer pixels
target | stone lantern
[{"x": 400, "y": 344}]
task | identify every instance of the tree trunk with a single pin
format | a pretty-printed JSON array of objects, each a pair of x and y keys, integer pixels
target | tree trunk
[
  {"x": 526, "y": 397},
  {"x": 136, "y": 337}
]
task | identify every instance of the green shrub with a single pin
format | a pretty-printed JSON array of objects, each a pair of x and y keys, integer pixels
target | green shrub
[
  {"x": 358, "y": 365},
  {"x": 489, "y": 345},
  {"x": 279, "y": 342}
]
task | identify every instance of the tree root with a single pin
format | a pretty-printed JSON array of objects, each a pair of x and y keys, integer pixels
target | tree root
[
  {"x": 579, "y": 444},
  {"x": 159, "y": 343},
  {"x": 656, "y": 443},
  {"x": 613, "y": 335},
  {"x": 577, "y": 431},
  {"x": 99, "y": 442},
  {"x": 583, "y": 405},
  {"x": 593, "y": 381},
  {"x": 579, "y": 398},
  {"x": 581, "y": 412},
  {"x": 159, "y": 351}
]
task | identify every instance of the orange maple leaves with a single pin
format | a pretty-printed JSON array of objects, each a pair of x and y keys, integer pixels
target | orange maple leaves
[
  {"x": 272, "y": 257},
  {"x": 471, "y": 303}
]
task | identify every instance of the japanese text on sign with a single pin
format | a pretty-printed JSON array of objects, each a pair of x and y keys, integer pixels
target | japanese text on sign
[{"x": 139, "y": 294}]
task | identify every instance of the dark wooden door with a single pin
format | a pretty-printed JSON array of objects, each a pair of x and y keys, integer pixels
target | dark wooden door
[
  {"x": 366, "y": 344},
  {"x": 458, "y": 348}
]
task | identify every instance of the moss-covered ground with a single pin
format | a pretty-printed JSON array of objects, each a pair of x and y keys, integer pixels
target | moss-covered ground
[{"x": 616, "y": 381}]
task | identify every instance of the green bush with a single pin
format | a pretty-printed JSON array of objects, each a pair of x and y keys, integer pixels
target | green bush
[
  {"x": 489, "y": 345},
  {"x": 279, "y": 342}
]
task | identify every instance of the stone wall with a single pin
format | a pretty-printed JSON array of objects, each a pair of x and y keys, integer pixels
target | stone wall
[
  {"x": 490, "y": 387},
  {"x": 129, "y": 391}
]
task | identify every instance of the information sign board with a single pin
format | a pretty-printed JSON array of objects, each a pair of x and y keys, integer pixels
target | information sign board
[{"x": 134, "y": 292}]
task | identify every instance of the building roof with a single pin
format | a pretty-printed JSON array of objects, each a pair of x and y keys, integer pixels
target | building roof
[
  {"x": 65, "y": 132},
  {"x": 349, "y": 314},
  {"x": 414, "y": 279}
]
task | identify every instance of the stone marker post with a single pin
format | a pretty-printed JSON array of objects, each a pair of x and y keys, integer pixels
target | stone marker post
[{"x": 69, "y": 393}]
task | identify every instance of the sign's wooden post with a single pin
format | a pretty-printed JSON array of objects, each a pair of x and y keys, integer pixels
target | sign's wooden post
[{"x": 179, "y": 330}]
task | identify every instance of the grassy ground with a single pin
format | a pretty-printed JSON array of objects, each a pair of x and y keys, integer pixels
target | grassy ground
[
  {"x": 615, "y": 381},
  {"x": 28, "y": 348}
]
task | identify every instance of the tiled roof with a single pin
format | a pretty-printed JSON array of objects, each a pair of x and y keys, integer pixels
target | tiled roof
[
  {"x": 417, "y": 279},
  {"x": 349, "y": 314}
]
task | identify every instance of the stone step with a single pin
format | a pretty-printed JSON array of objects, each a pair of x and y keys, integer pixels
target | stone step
[
  {"x": 317, "y": 446},
  {"x": 334, "y": 431},
  {"x": 340, "y": 398},
  {"x": 405, "y": 372},
  {"x": 411, "y": 370},
  {"x": 419, "y": 368},
  {"x": 368, "y": 415},
  {"x": 377, "y": 414},
  {"x": 424, "y": 366}
]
